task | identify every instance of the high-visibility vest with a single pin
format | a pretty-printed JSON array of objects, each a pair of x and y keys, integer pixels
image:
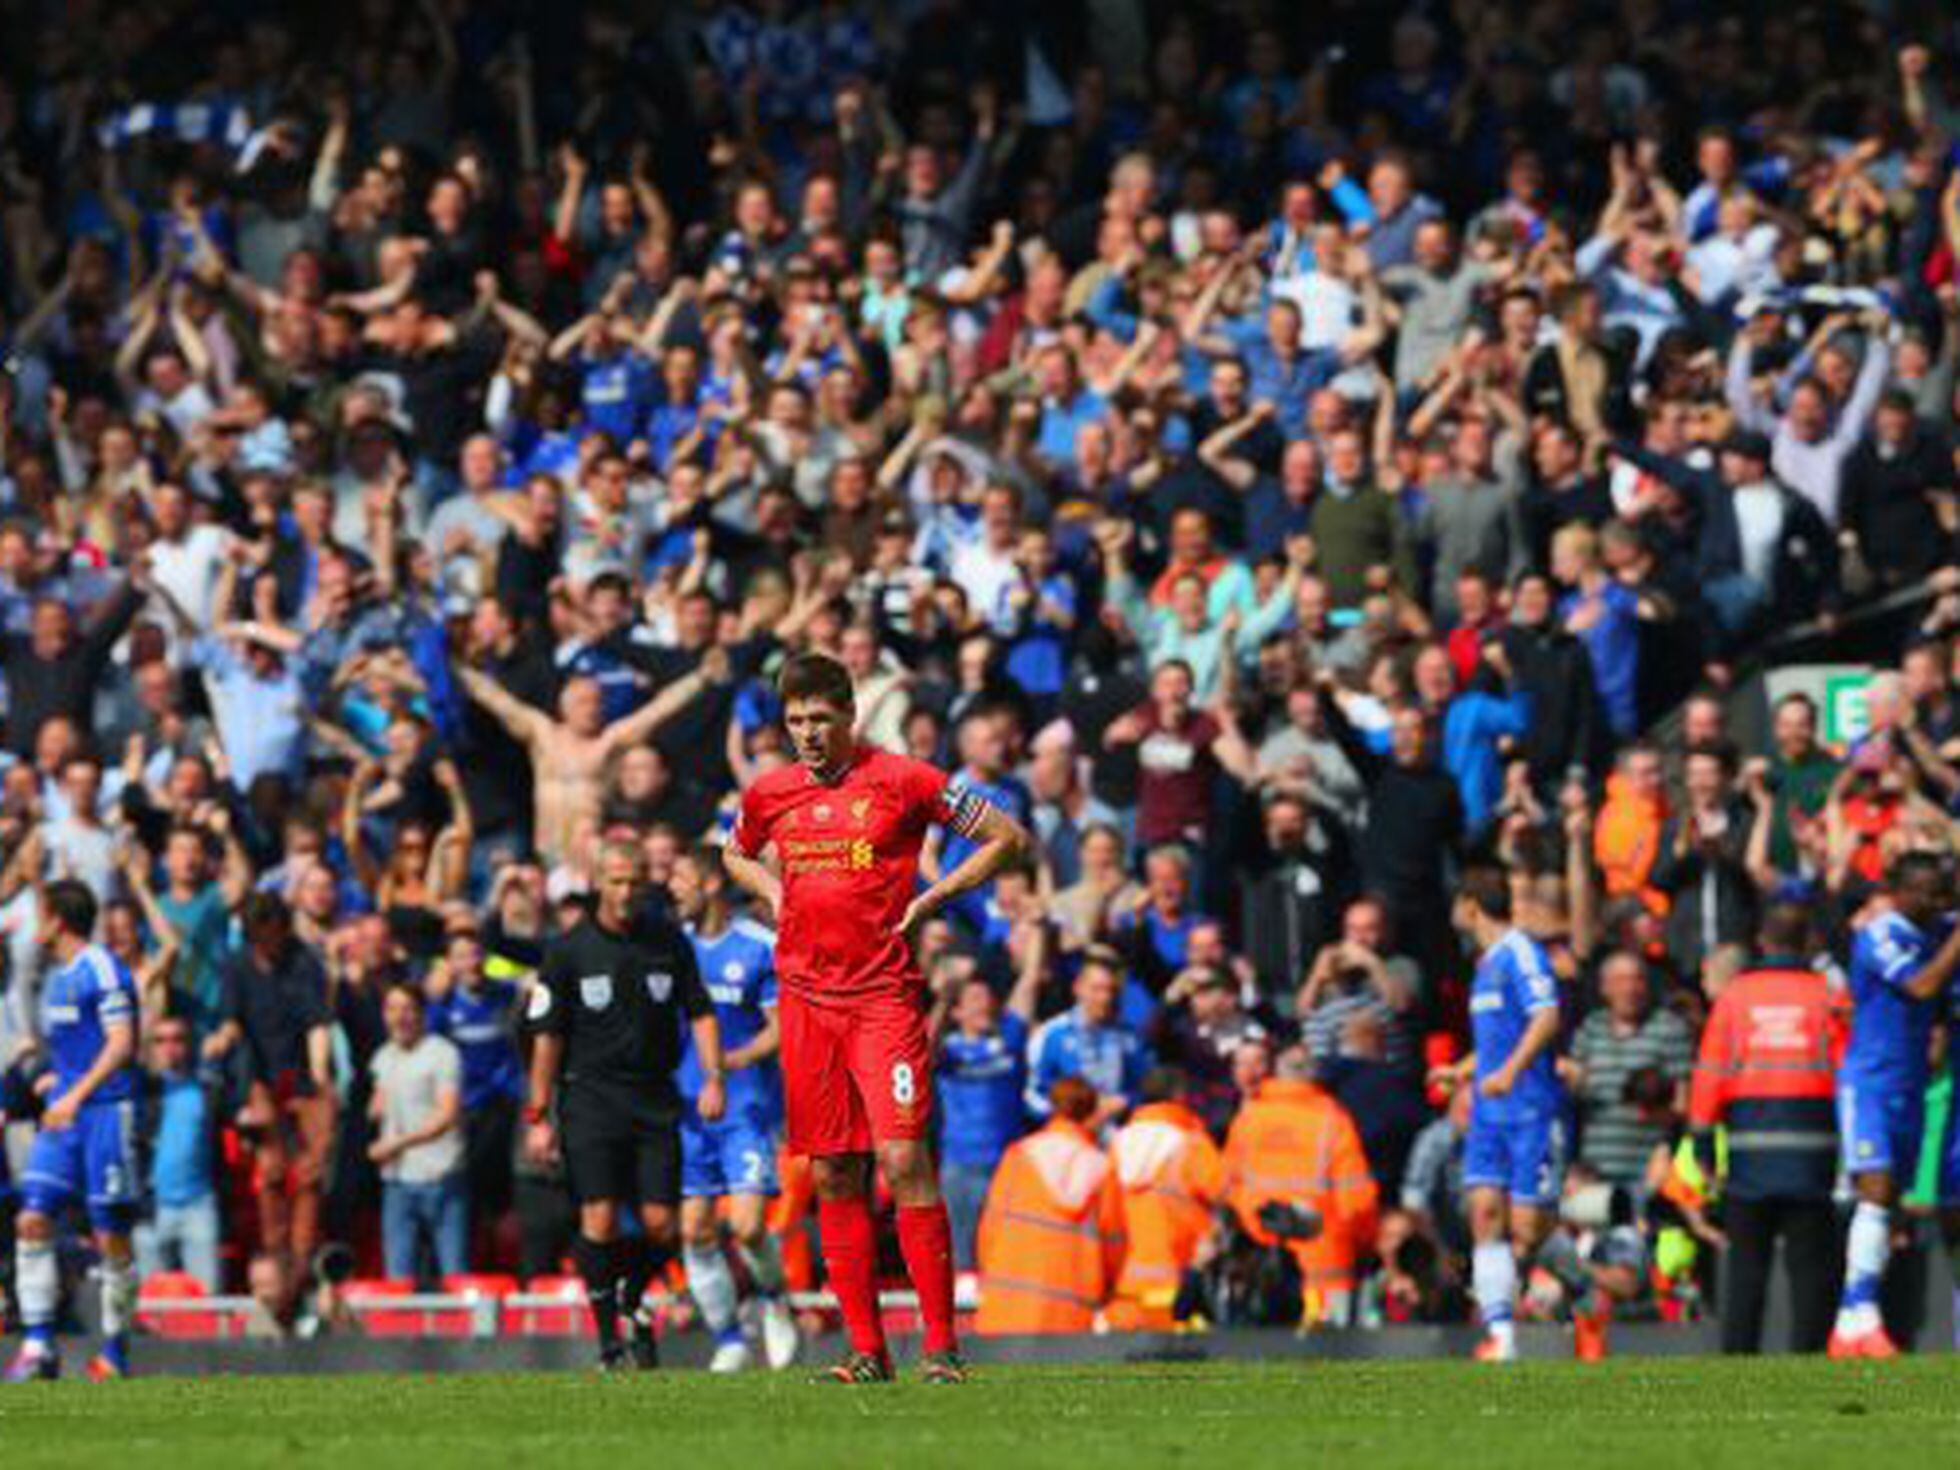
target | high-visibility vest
[
  {"x": 1171, "y": 1175},
  {"x": 1294, "y": 1142},
  {"x": 1051, "y": 1235},
  {"x": 1687, "y": 1186},
  {"x": 1767, "y": 1072}
]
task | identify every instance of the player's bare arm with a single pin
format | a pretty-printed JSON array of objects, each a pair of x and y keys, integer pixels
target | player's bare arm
[
  {"x": 1003, "y": 842},
  {"x": 1931, "y": 980},
  {"x": 1538, "y": 1035},
  {"x": 755, "y": 877},
  {"x": 761, "y": 1047},
  {"x": 713, "y": 1101},
  {"x": 118, "y": 1048}
]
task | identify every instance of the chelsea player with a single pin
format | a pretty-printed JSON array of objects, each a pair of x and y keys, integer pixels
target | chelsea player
[
  {"x": 1900, "y": 962},
  {"x": 733, "y": 1159},
  {"x": 1513, "y": 1155},
  {"x": 86, "y": 1147}
]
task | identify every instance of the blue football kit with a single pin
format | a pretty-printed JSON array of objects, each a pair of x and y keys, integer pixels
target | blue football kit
[
  {"x": 93, "y": 1161},
  {"x": 737, "y": 1154},
  {"x": 1516, "y": 1143},
  {"x": 1882, "y": 1082}
]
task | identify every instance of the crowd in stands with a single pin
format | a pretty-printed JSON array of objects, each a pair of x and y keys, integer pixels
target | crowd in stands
[{"x": 1277, "y": 453}]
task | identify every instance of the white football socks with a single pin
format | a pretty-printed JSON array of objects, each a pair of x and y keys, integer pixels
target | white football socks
[
  {"x": 1494, "y": 1282},
  {"x": 1867, "y": 1250},
  {"x": 712, "y": 1285},
  {"x": 37, "y": 1284}
]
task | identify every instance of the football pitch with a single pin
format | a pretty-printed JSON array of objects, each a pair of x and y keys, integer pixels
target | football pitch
[{"x": 1376, "y": 1416}]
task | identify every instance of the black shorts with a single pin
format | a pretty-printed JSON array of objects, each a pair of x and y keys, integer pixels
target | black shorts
[{"x": 632, "y": 1161}]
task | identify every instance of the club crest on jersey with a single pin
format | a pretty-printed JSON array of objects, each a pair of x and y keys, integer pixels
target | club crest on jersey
[
  {"x": 595, "y": 991},
  {"x": 660, "y": 985},
  {"x": 860, "y": 809}
]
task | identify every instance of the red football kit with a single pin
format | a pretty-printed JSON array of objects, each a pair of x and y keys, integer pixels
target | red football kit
[{"x": 857, "y": 1065}]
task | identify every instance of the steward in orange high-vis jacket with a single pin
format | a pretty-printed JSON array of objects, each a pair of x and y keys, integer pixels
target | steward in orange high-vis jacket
[
  {"x": 1171, "y": 1174},
  {"x": 1767, "y": 1078},
  {"x": 1294, "y": 1144},
  {"x": 1051, "y": 1235}
]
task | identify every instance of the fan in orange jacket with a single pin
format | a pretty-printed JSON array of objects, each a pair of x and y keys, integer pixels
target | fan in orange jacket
[
  {"x": 1627, "y": 836},
  {"x": 1294, "y": 1144},
  {"x": 1051, "y": 1235},
  {"x": 1171, "y": 1175}
]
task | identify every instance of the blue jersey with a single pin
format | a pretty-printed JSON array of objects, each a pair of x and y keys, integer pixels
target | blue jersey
[
  {"x": 481, "y": 1024},
  {"x": 1513, "y": 983},
  {"x": 1890, "y": 1028},
  {"x": 738, "y": 969},
  {"x": 1110, "y": 1058},
  {"x": 79, "y": 1003},
  {"x": 981, "y": 1078},
  {"x": 614, "y": 392}
]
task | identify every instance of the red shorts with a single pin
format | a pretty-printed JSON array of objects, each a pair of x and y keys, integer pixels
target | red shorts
[{"x": 854, "y": 1075}]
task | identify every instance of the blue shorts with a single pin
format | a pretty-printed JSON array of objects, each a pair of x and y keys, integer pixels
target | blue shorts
[
  {"x": 1881, "y": 1127},
  {"x": 735, "y": 1156},
  {"x": 1525, "y": 1158},
  {"x": 94, "y": 1161}
]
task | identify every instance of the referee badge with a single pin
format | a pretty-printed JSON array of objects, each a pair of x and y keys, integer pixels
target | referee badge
[
  {"x": 660, "y": 985},
  {"x": 595, "y": 991}
]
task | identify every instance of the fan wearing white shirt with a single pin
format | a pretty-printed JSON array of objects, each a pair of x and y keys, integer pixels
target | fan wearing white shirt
[{"x": 187, "y": 560}]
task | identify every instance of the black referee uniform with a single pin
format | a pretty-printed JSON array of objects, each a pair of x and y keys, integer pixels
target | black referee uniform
[{"x": 617, "y": 1002}]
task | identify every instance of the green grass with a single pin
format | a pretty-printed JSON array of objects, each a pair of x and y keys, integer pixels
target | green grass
[{"x": 1378, "y": 1416}]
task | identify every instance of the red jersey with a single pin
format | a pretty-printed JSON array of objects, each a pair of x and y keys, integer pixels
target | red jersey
[{"x": 848, "y": 850}]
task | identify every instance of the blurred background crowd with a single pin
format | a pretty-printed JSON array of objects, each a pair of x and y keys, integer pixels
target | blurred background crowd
[{"x": 1276, "y": 452}]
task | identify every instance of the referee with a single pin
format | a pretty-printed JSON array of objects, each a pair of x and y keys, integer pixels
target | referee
[{"x": 606, "y": 1015}]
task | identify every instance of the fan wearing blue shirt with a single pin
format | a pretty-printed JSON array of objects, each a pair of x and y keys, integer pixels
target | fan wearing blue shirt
[
  {"x": 616, "y": 384},
  {"x": 1900, "y": 963},
  {"x": 85, "y": 1151},
  {"x": 1604, "y": 616},
  {"x": 677, "y": 410},
  {"x": 981, "y": 1074},
  {"x": 1089, "y": 1041},
  {"x": 1036, "y": 615},
  {"x": 1513, "y": 1154},
  {"x": 1281, "y": 371},
  {"x": 478, "y": 1015},
  {"x": 733, "y": 1159}
]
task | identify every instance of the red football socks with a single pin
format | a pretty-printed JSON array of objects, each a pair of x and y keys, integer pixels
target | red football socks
[
  {"x": 925, "y": 1238},
  {"x": 850, "y": 1258}
]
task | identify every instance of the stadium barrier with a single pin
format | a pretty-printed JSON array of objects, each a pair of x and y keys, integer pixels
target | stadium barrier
[{"x": 390, "y": 1309}]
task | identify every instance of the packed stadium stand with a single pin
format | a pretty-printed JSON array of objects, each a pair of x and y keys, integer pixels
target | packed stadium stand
[{"x": 1305, "y": 463}]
